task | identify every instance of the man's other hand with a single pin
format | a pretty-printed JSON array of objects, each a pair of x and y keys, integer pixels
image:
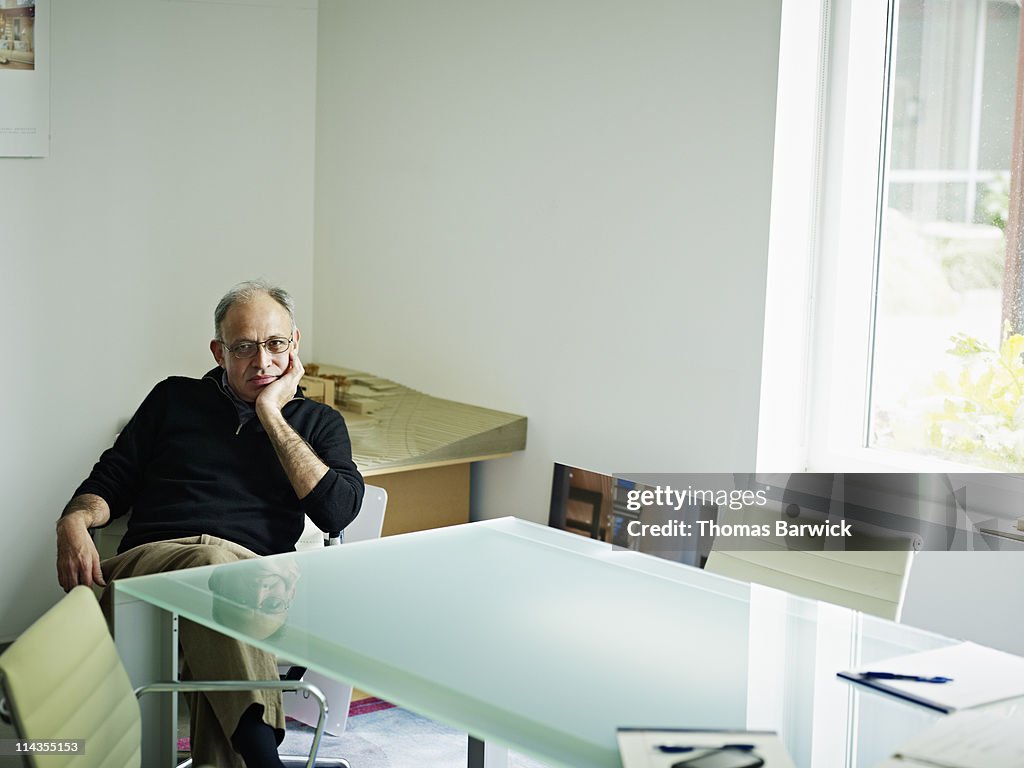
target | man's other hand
[
  {"x": 279, "y": 392},
  {"x": 78, "y": 561}
]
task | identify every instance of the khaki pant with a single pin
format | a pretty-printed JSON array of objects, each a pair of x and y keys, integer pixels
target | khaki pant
[{"x": 207, "y": 655}]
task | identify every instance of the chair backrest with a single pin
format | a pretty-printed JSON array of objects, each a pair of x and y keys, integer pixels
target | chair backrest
[
  {"x": 63, "y": 680},
  {"x": 367, "y": 525},
  {"x": 370, "y": 520},
  {"x": 872, "y": 580}
]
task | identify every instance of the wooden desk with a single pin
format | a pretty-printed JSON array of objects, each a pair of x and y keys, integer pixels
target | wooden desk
[
  {"x": 427, "y": 496},
  {"x": 417, "y": 447}
]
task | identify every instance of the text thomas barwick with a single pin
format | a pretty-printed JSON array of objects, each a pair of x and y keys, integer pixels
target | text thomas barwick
[{"x": 712, "y": 528}]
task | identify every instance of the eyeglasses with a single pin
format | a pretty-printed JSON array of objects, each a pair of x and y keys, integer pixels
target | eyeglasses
[{"x": 246, "y": 350}]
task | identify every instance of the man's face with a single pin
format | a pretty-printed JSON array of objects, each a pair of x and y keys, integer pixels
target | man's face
[{"x": 254, "y": 321}]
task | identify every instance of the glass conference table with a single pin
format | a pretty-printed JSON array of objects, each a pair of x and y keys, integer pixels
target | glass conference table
[{"x": 543, "y": 641}]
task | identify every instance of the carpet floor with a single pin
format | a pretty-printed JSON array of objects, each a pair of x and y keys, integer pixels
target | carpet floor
[
  {"x": 392, "y": 738},
  {"x": 379, "y": 735}
]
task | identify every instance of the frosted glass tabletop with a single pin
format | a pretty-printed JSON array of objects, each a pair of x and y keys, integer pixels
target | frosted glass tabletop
[{"x": 547, "y": 642}]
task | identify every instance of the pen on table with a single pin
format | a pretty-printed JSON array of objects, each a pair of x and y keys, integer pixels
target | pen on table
[
  {"x": 897, "y": 676},
  {"x": 680, "y": 748}
]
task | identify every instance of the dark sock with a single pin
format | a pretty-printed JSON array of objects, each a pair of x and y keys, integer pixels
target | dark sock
[{"x": 256, "y": 741}]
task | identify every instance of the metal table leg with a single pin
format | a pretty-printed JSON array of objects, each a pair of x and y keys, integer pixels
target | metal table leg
[{"x": 482, "y": 755}]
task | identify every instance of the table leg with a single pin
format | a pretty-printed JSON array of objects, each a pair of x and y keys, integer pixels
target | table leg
[
  {"x": 147, "y": 641},
  {"x": 483, "y": 755}
]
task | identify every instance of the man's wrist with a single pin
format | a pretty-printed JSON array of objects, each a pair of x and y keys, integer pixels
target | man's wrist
[
  {"x": 75, "y": 518},
  {"x": 87, "y": 510},
  {"x": 267, "y": 412}
]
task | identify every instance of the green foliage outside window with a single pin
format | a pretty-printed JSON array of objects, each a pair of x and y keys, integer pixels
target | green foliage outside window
[
  {"x": 978, "y": 414},
  {"x": 995, "y": 201}
]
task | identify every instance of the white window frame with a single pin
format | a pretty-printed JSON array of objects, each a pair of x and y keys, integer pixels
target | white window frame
[{"x": 819, "y": 318}]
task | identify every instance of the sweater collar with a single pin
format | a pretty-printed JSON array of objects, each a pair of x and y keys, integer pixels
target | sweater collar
[{"x": 245, "y": 410}]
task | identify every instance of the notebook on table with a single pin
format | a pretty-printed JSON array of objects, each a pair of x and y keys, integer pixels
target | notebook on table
[{"x": 976, "y": 674}]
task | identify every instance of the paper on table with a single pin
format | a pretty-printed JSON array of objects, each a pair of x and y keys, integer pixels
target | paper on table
[
  {"x": 980, "y": 675},
  {"x": 977, "y": 739},
  {"x": 638, "y": 747}
]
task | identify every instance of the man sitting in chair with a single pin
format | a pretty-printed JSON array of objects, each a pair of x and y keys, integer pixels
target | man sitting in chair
[{"x": 216, "y": 470}]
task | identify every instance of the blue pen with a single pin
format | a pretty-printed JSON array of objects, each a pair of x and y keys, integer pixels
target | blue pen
[
  {"x": 896, "y": 676},
  {"x": 676, "y": 749}
]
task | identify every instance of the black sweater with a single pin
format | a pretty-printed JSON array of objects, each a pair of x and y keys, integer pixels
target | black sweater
[{"x": 184, "y": 467}]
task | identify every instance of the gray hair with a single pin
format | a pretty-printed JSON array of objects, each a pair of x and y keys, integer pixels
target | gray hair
[{"x": 246, "y": 292}]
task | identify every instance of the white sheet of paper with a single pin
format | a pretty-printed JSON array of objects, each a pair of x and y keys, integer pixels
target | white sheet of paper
[{"x": 976, "y": 739}]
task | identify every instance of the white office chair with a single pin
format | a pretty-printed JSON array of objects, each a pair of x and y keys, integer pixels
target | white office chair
[
  {"x": 298, "y": 706},
  {"x": 60, "y": 690},
  {"x": 872, "y": 580}
]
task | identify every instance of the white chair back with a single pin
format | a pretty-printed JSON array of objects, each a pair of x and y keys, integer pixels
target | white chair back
[
  {"x": 367, "y": 525},
  {"x": 872, "y": 581},
  {"x": 370, "y": 520},
  {"x": 64, "y": 680}
]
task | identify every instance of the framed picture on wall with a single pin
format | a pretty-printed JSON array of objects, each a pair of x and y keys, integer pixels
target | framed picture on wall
[{"x": 24, "y": 78}]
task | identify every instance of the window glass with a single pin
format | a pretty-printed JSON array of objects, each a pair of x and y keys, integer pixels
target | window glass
[{"x": 944, "y": 382}]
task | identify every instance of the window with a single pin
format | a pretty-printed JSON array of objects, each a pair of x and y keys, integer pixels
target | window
[
  {"x": 902, "y": 245},
  {"x": 942, "y": 249}
]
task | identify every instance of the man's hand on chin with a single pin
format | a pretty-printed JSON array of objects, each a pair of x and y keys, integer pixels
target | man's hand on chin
[{"x": 274, "y": 395}]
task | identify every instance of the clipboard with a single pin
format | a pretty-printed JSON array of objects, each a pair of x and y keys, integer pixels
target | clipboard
[{"x": 980, "y": 675}]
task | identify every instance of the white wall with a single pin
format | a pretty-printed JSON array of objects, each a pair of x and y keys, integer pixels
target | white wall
[
  {"x": 968, "y": 595},
  {"x": 556, "y": 209},
  {"x": 181, "y": 162}
]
